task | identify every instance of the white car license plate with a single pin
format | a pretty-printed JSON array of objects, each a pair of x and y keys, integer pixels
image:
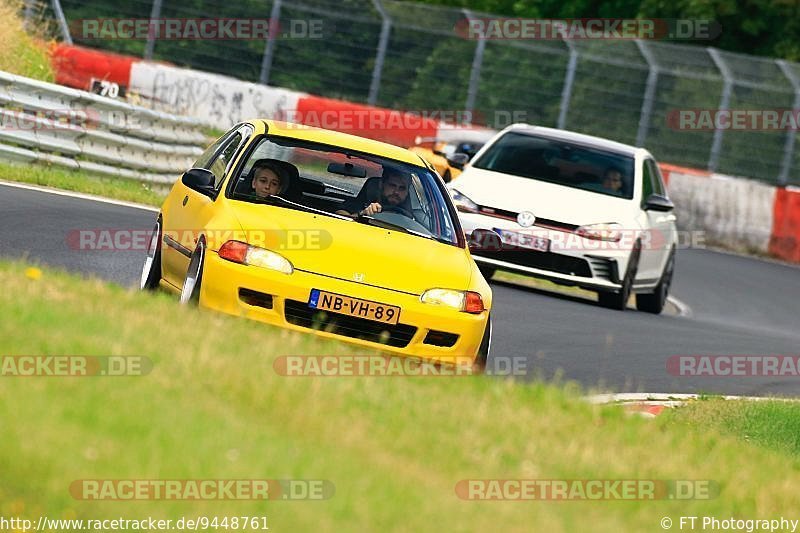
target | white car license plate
[{"x": 524, "y": 240}]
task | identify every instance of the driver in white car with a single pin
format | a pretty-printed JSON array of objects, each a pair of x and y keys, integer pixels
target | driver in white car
[{"x": 394, "y": 192}]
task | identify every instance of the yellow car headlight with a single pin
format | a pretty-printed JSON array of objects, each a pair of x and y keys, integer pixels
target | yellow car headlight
[
  {"x": 466, "y": 301},
  {"x": 244, "y": 254}
]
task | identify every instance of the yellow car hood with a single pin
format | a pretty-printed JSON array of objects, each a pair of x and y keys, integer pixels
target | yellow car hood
[{"x": 353, "y": 251}]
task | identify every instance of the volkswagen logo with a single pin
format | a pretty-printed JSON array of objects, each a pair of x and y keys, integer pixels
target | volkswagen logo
[{"x": 526, "y": 219}]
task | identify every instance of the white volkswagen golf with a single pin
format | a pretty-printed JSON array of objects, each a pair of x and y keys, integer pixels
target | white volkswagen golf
[{"x": 571, "y": 208}]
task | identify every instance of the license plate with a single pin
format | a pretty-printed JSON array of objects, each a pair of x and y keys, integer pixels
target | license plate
[
  {"x": 345, "y": 305},
  {"x": 524, "y": 240}
]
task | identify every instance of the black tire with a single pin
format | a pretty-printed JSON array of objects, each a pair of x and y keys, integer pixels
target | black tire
[
  {"x": 654, "y": 302},
  {"x": 151, "y": 270},
  {"x": 479, "y": 364},
  {"x": 619, "y": 300},
  {"x": 487, "y": 271},
  {"x": 190, "y": 292}
]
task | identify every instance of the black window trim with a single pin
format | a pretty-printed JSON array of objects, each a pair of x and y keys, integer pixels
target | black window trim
[
  {"x": 246, "y": 130},
  {"x": 659, "y": 179}
]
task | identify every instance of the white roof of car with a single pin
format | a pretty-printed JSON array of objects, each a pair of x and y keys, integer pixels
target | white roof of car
[
  {"x": 475, "y": 135},
  {"x": 578, "y": 138}
]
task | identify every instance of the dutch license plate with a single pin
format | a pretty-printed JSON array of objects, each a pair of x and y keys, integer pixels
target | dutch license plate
[
  {"x": 524, "y": 240},
  {"x": 338, "y": 303}
]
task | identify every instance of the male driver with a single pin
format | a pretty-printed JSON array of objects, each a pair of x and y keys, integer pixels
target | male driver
[
  {"x": 612, "y": 180},
  {"x": 394, "y": 191},
  {"x": 266, "y": 179}
]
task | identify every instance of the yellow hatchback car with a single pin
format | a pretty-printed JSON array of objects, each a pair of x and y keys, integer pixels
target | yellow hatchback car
[{"x": 316, "y": 230}]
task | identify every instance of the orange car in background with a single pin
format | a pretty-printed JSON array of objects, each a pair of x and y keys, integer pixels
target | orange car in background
[{"x": 448, "y": 156}]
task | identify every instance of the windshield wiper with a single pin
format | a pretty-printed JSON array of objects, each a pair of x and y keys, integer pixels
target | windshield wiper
[{"x": 389, "y": 225}]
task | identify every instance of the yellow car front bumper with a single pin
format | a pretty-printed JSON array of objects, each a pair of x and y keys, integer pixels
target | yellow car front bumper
[{"x": 223, "y": 281}]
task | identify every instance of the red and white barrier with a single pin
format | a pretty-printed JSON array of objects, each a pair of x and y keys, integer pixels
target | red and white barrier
[
  {"x": 218, "y": 101},
  {"x": 735, "y": 212},
  {"x": 385, "y": 125},
  {"x": 76, "y": 66},
  {"x": 784, "y": 241}
]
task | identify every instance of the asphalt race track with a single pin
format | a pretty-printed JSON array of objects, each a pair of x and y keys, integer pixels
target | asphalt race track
[{"x": 739, "y": 305}]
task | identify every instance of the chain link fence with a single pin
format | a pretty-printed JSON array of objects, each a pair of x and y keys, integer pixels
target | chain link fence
[{"x": 406, "y": 55}]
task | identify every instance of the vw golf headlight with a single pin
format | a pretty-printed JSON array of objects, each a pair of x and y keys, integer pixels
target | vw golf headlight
[
  {"x": 601, "y": 232},
  {"x": 463, "y": 203}
]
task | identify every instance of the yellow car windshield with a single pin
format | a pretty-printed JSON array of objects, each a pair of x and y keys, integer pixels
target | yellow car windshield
[{"x": 343, "y": 182}]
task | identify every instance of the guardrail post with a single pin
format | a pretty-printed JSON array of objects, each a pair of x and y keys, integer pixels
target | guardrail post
[
  {"x": 269, "y": 49},
  {"x": 62, "y": 21},
  {"x": 475, "y": 72},
  {"x": 788, "y": 145},
  {"x": 380, "y": 55},
  {"x": 724, "y": 103},
  {"x": 649, "y": 93},
  {"x": 155, "y": 12}
]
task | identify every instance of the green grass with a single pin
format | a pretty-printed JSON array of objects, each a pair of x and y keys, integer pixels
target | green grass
[
  {"x": 773, "y": 424},
  {"x": 394, "y": 448},
  {"x": 71, "y": 180},
  {"x": 212, "y": 133},
  {"x": 543, "y": 284},
  {"x": 23, "y": 54}
]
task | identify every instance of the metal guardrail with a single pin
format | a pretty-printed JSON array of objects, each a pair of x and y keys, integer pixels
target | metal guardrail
[{"x": 47, "y": 123}]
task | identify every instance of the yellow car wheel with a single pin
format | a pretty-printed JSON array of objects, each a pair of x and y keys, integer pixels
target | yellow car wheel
[
  {"x": 487, "y": 271},
  {"x": 151, "y": 270},
  {"x": 190, "y": 293},
  {"x": 486, "y": 343}
]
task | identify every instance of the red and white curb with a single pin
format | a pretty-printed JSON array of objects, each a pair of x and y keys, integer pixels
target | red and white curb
[{"x": 651, "y": 405}]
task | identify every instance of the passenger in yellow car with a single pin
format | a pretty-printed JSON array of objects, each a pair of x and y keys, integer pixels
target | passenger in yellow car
[
  {"x": 393, "y": 197},
  {"x": 268, "y": 180}
]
